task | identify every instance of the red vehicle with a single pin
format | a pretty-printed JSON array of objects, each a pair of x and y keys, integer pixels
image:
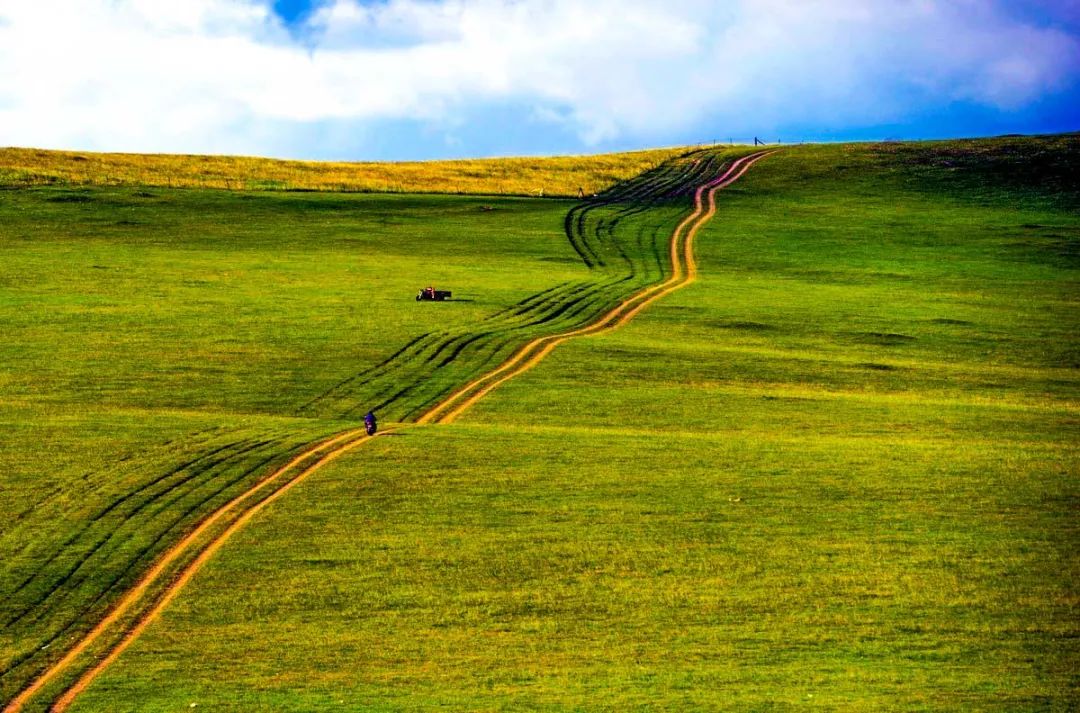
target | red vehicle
[{"x": 430, "y": 294}]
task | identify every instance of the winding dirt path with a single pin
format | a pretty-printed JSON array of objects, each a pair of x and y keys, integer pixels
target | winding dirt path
[{"x": 684, "y": 271}]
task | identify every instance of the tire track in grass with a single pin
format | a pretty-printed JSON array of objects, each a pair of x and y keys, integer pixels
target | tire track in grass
[
  {"x": 430, "y": 373},
  {"x": 591, "y": 225},
  {"x": 41, "y": 569},
  {"x": 87, "y": 607},
  {"x": 684, "y": 271},
  {"x": 343, "y": 442},
  {"x": 149, "y": 524},
  {"x": 112, "y": 529}
]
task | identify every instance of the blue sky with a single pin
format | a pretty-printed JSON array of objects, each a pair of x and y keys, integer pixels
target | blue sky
[
  {"x": 292, "y": 11},
  {"x": 410, "y": 79}
]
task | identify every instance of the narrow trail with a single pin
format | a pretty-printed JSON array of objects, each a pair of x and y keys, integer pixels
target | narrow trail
[
  {"x": 621, "y": 236},
  {"x": 247, "y": 505},
  {"x": 684, "y": 272}
]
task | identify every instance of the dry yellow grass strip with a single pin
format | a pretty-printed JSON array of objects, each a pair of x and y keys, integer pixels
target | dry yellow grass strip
[{"x": 552, "y": 176}]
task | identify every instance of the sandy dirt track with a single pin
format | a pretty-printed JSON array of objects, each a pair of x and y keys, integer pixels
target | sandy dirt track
[{"x": 684, "y": 271}]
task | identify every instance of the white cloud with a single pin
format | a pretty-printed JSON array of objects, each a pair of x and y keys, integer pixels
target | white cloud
[{"x": 220, "y": 75}]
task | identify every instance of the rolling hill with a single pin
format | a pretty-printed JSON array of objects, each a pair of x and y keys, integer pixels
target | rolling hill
[{"x": 839, "y": 468}]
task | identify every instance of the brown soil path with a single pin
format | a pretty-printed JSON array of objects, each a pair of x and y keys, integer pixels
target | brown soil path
[
  {"x": 684, "y": 271},
  {"x": 344, "y": 441}
]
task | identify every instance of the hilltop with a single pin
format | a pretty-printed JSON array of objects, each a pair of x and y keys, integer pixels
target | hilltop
[{"x": 556, "y": 176}]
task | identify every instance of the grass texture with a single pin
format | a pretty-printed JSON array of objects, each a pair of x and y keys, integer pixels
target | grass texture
[
  {"x": 551, "y": 176},
  {"x": 839, "y": 471},
  {"x": 141, "y": 288}
]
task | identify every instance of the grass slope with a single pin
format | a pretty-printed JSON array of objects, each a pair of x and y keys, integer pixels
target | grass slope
[
  {"x": 840, "y": 466},
  {"x": 553, "y": 176},
  {"x": 839, "y": 471},
  {"x": 162, "y": 343},
  {"x": 178, "y": 309}
]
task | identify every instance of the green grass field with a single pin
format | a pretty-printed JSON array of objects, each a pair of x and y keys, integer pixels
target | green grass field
[
  {"x": 171, "y": 318},
  {"x": 840, "y": 470},
  {"x": 160, "y": 360}
]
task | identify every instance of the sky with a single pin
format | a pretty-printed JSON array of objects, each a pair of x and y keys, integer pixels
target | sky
[{"x": 427, "y": 79}]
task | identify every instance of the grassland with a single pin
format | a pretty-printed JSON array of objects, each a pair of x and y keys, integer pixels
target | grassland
[
  {"x": 162, "y": 348},
  {"x": 554, "y": 176},
  {"x": 126, "y": 517},
  {"x": 840, "y": 470}
]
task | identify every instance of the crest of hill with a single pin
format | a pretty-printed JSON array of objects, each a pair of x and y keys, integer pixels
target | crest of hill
[{"x": 548, "y": 176}]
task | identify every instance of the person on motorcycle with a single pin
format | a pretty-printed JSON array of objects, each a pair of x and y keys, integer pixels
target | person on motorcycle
[{"x": 370, "y": 424}]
